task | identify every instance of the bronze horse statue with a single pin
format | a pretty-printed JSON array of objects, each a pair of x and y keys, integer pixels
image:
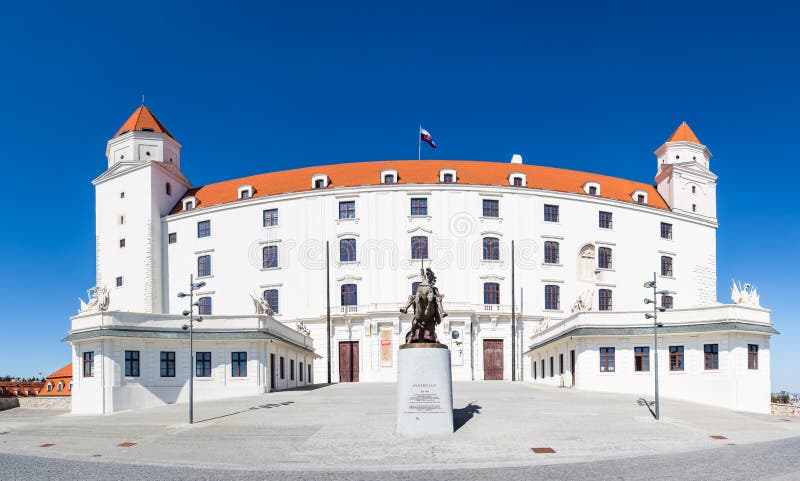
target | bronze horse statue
[{"x": 428, "y": 310}]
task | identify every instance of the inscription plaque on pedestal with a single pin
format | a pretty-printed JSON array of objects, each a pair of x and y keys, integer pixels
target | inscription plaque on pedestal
[{"x": 424, "y": 390}]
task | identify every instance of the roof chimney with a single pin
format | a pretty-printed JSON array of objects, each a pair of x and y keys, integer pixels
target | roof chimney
[{"x": 516, "y": 159}]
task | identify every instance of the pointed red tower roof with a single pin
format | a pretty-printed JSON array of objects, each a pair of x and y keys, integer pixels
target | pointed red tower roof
[
  {"x": 142, "y": 120},
  {"x": 684, "y": 134}
]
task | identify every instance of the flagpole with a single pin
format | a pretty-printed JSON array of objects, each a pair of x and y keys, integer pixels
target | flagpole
[{"x": 419, "y": 143}]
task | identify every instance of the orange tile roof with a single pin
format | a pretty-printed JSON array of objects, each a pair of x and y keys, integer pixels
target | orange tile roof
[
  {"x": 142, "y": 119},
  {"x": 65, "y": 376},
  {"x": 65, "y": 371},
  {"x": 421, "y": 172},
  {"x": 683, "y": 133}
]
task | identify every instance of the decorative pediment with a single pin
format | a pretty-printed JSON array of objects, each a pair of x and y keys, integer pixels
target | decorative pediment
[{"x": 418, "y": 228}]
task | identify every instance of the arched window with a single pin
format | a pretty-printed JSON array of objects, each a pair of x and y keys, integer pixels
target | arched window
[
  {"x": 605, "y": 299},
  {"x": 491, "y": 249},
  {"x": 49, "y": 387},
  {"x": 347, "y": 250},
  {"x": 168, "y": 188},
  {"x": 271, "y": 296},
  {"x": 419, "y": 247},
  {"x": 551, "y": 254},
  {"x": 349, "y": 295},
  {"x": 60, "y": 386},
  {"x": 491, "y": 293},
  {"x": 604, "y": 258},
  {"x": 204, "y": 266},
  {"x": 552, "y": 297},
  {"x": 270, "y": 257},
  {"x": 204, "y": 306}
]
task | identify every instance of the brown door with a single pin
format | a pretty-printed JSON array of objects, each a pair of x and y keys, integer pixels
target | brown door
[
  {"x": 493, "y": 359},
  {"x": 272, "y": 380},
  {"x": 572, "y": 365},
  {"x": 348, "y": 361}
]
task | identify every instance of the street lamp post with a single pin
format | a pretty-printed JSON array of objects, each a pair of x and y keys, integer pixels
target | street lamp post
[
  {"x": 656, "y": 325},
  {"x": 193, "y": 286}
]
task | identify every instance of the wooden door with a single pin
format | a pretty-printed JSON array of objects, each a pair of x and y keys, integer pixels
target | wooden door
[
  {"x": 272, "y": 381},
  {"x": 572, "y": 365},
  {"x": 348, "y": 361},
  {"x": 493, "y": 359}
]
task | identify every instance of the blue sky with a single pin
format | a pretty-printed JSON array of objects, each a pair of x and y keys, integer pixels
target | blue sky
[{"x": 249, "y": 88}]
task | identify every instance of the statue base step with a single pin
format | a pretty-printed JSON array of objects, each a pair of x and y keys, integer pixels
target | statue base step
[{"x": 424, "y": 390}]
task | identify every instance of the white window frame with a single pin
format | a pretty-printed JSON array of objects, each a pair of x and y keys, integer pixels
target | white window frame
[
  {"x": 324, "y": 178},
  {"x": 512, "y": 175},
  {"x": 386, "y": 172},
  {"x": 245, "y": 188},
  {"x": 637, "y": 193},
  {"x": 188, "y": 199},
  {"x": 596, "y": 185},
  {"x": 443, "y": 172}
]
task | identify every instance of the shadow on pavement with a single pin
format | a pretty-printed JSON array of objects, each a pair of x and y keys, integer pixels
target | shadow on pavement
[
  {"x": 644, "y": 402},
  {"x": 462, "y": 415},
  {"x": 251, "y": 408}
]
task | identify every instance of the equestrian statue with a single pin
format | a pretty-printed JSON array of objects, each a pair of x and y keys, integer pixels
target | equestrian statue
[{"x": 428, "y": 310}]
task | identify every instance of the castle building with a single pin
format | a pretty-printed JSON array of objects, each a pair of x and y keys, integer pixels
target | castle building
[{"x": 275, "y": 250}]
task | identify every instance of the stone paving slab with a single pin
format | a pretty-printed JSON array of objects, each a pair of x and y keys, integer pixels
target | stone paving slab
[{"x": 343, "y": 426}]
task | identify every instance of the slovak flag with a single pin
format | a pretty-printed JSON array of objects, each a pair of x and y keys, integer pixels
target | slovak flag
[{"x": 426, "y": 137}]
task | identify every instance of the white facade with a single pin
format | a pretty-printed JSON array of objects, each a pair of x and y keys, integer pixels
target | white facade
[{"x": 165, "y": 242}]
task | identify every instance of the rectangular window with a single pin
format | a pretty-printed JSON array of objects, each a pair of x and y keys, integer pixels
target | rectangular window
[
  {"x": 167, "y": 363},
  {"x": 604, "y": 258},
  {"x": 121, "y": 243},
  {"x": 291, "y": 369},
  {"x": 88, "y": 364},
  {"x": 607, "y": 359},
  {"x": 552, "y": 297},
  {"x": 202, "y": 364},
  {"x": 419, "y": 247},
  {"x": 309, "y": 372},
  {"x": 552, "y": 372},
  {"x": 419, "y": 206},
  {"x": 666, "y": 302},
  {"x": 534, "y": 368},
  {"x": 605, "y": 220},
  {"x": 491, "y": 293},
  {"x": 204, "y": 306},
  {"x": 119, "y": 281},
  {"x": 132, "y": 363},
  {"x": 491, "y": 208},
  {"x": 752, "y": 356},
  {"x": 543, "y": 372},
  {"x": 666, "y": 230},
  {"x": 204, "y": 228},
  {"x": 172, "y": 238},
  {"x": 283, "y": 368},
  {"x": 605, "y": 299},
  {"x": 271, "y": 296},
  {"x": 300, "y": 371},
  {"x": 349, "y": 295},
  {"x": 711, "y": 356},
  {"x": 551, "y": 254},
  {"x": 347, "y": 250},
  {"x": 666, "y": 266},
  {"x": 270, "y": 218},
  {"x": 204, "y": 266},
  {"x": 641, "y": 359},
  {"x": 676, "y": 358},
  {"x": 269, "y": 257},
  {"x": 238, "y": 364},
  {"x": 347, "y": 209},
  {"x": 561, "y": 363},
  {"x": 550, "y": 213},
  {"x": 245, "y": 194},
  {"x": 491, "y": 249}
]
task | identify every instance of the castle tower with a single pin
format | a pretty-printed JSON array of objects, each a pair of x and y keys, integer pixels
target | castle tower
[
  {"x": 684, "y": 179},
  {"x": 143, "y": 182}
]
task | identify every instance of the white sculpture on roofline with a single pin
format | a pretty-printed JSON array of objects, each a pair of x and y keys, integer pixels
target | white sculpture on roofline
[
  {"x": 744, "y": 296},
  {"x": 98, "y": 300},
  {"x": 584, "y": 302},
  {"x": 261, "y": 305}
]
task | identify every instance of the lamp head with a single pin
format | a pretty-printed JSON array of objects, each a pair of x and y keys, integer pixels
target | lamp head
[
  {"x": 181, "y": 294},
  {"x": 648, "y": 301},
  {"x": 198, "y": 285},
  {"x": 199, "y": 319},
  {"x": 185, "y": 327},
  {"x": 660, "y": 324},
  {"x": 649, "y": 316},
  {"x": 662, "y": 309},
  {"x": 196, "y": 303},
  {"x": 186, "y": 313},
  {"x": 650, "y": 284}
]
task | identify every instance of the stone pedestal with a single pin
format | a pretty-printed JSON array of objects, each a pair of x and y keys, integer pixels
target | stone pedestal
[{"x": 424, "y": 390}]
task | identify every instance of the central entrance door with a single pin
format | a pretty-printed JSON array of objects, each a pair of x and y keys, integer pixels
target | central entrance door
[
  {"x": 348, "y": 361},
  {"x": 493, "y": 359}
]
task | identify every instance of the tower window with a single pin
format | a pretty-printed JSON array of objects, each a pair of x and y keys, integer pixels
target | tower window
[
  {"x": 694, "y": 189},
  {"x": 694, "y": 207},
  {"x": 173, "y": 237},
  {"x": 122, "y": 195},
  {"x": 168, "y": 187},
  {"x": 119, "y": 281},
  {"x": 121, "y": 243},
  {"x": 147, "y": 153}
]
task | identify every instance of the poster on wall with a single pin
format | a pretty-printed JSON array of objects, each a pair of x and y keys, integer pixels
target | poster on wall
[
  {"x": 457, "y": 346},
  {"x": 386, "y": 347}
]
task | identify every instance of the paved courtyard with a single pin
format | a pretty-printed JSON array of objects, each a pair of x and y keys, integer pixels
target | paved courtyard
[{"x": 348, "y": 428}]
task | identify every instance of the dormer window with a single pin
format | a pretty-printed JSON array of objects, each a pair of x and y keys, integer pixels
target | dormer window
[
  {"x": 319, "y": 181},
  {"x": 517, "y": 179},
  {"x": 591, "y": 188},
  {"x": 168, "y": 188},
  {"x": 189, "y": 203},
  {"x": 639, "y": 196},
  {"x": 447, "y": 176},
  {"x": 388, "y": 176},
  {"x": 245, "y": 191}
]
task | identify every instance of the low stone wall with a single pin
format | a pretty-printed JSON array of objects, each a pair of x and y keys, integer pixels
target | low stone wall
[
  {"x": 8, "y": 403},
  {"x": 48, "y": 402},
  {"x": 785, "y": 410}
]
